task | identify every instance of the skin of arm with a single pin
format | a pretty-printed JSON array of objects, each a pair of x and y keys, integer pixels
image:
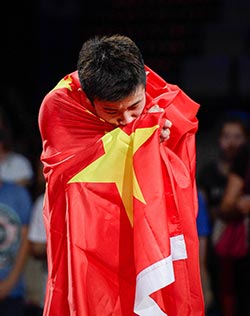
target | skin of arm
[
  {"x": 233, "y": 192},
  {"x": 23, "y": 182},
  {"x": 243, "y": 204},
  {"x": 7, "y": 284},
  {"x": 38, "y": 250}
]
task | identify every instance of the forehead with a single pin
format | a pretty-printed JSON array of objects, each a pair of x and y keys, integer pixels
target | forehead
[{"x": 126, "y": 102}]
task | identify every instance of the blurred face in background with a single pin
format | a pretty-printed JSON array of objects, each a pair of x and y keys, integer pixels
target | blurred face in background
[{"x": 233, "y": 135}]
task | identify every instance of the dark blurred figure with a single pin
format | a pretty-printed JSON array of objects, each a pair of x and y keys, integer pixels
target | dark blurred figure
[
  {"x": 204, "y": 232},
  {"x": 212, "y": 179},
  {"x": 235, "y": 207}
]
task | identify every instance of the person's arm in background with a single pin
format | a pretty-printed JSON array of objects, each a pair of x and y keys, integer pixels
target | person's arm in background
[
  {"x": 243, "y": 204},
  {"x": 38, "y": 250},
  {"x": 7, "y": 284},
  {"x": 232, "y": 193},
  {"x": 235, "y": 202}
]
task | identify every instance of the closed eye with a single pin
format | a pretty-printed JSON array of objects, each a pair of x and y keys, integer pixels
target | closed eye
[
  {"x": 112, "y": 112},
  {"x": 132, "y": 107}
]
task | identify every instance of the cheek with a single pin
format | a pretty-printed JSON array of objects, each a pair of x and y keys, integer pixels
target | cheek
[
  {"x": 140, "y": 109},
  {"x": 138, "y": 112}
]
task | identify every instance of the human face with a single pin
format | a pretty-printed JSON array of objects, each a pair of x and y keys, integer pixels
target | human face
[
  {"x": 124, "y": 111},
  {"x": 232, "y": 137}
]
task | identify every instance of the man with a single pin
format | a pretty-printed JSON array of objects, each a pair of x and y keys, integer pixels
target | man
[{"x": 121, "y": 240}]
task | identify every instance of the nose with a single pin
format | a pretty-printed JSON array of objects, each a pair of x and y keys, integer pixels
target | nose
[{"x": 126, "y": 118}]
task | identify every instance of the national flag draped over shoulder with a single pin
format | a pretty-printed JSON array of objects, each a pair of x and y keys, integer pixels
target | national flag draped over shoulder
[{"x": 120, "y": 207}]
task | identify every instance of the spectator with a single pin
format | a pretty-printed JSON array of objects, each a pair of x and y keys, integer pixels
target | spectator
[
  {"x": 37, "y": 240},
  {"x": 235, "y": 207},
  {"x": 212, "y": 179},
  {"x": 37, "y": 235},
  {"x": 14, "y": 166},
  {"x": 15, "y": 210}
]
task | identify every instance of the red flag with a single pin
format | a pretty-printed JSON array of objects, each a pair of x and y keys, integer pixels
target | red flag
[{"x": 120, "y": 208}]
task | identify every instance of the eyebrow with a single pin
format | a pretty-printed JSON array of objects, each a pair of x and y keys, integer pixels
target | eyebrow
[{"x": 106, "y": 108}]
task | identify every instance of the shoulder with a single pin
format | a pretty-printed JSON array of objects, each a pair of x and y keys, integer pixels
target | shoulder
[{"x": 65, "y": 93}]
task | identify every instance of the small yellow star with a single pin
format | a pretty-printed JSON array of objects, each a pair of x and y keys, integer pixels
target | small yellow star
[
  {"x": 64, "y": 83},
  {"x": 116, "y": 165}
]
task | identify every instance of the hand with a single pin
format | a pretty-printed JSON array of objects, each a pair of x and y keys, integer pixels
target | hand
[{"x": 165, "y": 132}]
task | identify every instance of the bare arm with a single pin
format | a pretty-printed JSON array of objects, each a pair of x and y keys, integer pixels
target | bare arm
[
  {"x": 231, "y": 196},
  {"x": 38, "y": 250},
  {"x": 7, "y": 284},
  {"x": 243, "y": 204}
]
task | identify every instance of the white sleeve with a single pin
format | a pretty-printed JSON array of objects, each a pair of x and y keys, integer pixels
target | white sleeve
[{"x": 36, "y": 227}]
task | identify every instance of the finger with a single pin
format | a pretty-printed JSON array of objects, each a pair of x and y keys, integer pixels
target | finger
[
  {"x": 167, "y": 124},
  {"x": 155, "y": 109},
  {"x": 165, "y": 134}
]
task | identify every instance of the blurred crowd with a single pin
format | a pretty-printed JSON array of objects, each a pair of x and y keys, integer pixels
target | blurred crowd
[
  {"x": 23, "y": 264},
  {"x": 224, "y": 192}
]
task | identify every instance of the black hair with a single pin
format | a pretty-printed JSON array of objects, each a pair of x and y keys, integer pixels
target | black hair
[{"x": 110, "y": 67}]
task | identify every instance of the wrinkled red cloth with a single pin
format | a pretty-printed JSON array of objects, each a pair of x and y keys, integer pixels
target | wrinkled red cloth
[{"x": 120, "y": 207}]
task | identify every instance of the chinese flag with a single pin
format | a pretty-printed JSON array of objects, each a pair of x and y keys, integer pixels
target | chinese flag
[{"x": 120, "y": 207}]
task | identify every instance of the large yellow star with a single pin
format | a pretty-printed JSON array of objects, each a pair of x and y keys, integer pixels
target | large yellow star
[{"x": 116, "y": 165}]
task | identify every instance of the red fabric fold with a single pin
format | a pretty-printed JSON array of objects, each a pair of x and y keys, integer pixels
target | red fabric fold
[{"x": 96, "y": 251}]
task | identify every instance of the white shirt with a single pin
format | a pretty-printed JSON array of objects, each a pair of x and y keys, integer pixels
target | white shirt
[
  {"x": 36, "y": 228},
  {"x": 37, "y": 234},
  {"x": 15, "y": 167}
]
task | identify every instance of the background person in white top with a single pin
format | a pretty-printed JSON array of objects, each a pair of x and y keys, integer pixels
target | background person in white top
[
  {"x": 37, "y": 241},
  {"x": 14, "y": 166}
]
